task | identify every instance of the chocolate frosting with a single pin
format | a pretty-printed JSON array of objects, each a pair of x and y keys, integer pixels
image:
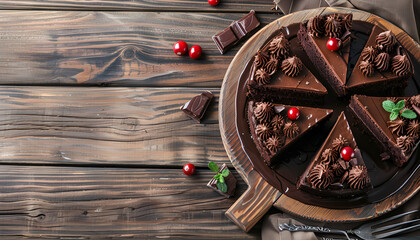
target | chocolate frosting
[
  {"x": 271, "y": 65},
  {"x": 333, "y": 26},
  {"x": 279, "y": 46},
  {"x": 358, "y": 177},
  {"x": 348, "y": 21},
  {"x": 273, "y": 144},
  {"x": 369, "y": 54},
  {"x": 292, "y": 66},
  {"x": 382, "y": 61},
  {"x": 290, "y": 129},
  {"x": 316, "y": 26},
  {"x": 397, "y": 126},
  {"x": 262, "y": 77},
  {"x": 406, "y": 143},
  {"x": 413, "y": 128},
  {"x": 320, "y": 176},
  {"x": 366, "y": 68},
  {"x": 385, "y": 41},
  {"x": 401, "y": 65},
  {"x": 264, "y": 111},
  {"x": 277, "y": 123},
  {"x": 260, "y": 59},
  {"x": 329, "y": 156},
  {"x": 263, "y": 131},
  {"x": 337, "y": 169},
  {"x": 415, "y": 100},
  {"x": 339, "y": 143}
]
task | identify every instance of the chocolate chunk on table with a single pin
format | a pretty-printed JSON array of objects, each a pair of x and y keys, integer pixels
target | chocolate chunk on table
[
  {"x": 230, "y": 181},
  {"x": 236, "y": 32},
  {"x": 197, "y": 106}
]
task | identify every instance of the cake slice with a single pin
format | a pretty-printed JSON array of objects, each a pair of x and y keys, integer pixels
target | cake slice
[
  {"x": 332, "y": 65},
  {"x": 396, "y": 131},
  {"x": 273, "y": 131},
  {"x": 279, "y": 72},
  {"x": 334, "y": 173},
  {"x": 383, "y": 67}
]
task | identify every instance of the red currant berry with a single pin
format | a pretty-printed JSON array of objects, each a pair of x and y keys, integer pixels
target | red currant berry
[
  {"x": 347, "y": 153},
  {"x": 189, "y": 169},
  {"x": 293, "y": 113},
  {"x": 180, "y": 48},
  {"x": 333, "y": 44},
  {"x": 195, "y": 52},
  {"x": 213, "y": 2}
]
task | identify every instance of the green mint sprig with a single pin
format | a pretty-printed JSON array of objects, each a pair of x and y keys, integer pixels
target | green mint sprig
[
  {"x": 220, "y": 176},
  {"x": 395, "y": 110}
]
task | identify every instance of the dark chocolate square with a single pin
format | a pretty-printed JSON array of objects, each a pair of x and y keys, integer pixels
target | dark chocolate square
[{"x": 197, "y": 106}]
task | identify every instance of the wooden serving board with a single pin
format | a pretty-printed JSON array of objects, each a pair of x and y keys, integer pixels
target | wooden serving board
[{"x": 261, "y": 196}]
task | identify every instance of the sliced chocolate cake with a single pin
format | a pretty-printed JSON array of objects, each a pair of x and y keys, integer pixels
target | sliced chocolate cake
[
  {"x": 279, "y": 73},
  {"x": 383, "y": 67},
  {"x": 331, "y": 61},
  {"x": 338, "y": 169},
  {"x": 274, "y": 127},
  {"x": 394, "y": 124}
]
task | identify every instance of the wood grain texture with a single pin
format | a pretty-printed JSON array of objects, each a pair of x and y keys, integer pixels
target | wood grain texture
[
  {"x": 116, "y": 126},
  {"x": 109, "y": 203},
  {"x": 141, "y": 5},
  {"x": 112, "y": 48},
  {"x": 239, "y": 159}
]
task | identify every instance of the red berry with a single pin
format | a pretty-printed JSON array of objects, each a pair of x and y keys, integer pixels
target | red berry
[
  {"x": 347, "y": 153},
  {"x": 189, "y": 169},
  {"x": 293, "y": 113},
  {"x": 180, "y": 48},
  {"x": 195, "y": 52},
  {"x": 213, "y": 2},
  {"x": 333, "y": 44}
]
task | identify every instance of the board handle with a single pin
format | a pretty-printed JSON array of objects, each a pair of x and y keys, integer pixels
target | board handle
[{"x": 254, "y": 203}]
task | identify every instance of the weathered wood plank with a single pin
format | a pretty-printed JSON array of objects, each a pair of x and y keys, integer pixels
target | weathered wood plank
[
  {"x": 135, "y": 126},
  {"x": 141, "y": 5},
  {"x": 115, "y": 48},
  {"x": 107, "y": 203}
]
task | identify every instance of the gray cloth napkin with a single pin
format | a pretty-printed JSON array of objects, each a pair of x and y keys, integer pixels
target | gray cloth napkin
[
  {"x": 270, "y": 229},
  {"x": 403, "y": 13}
]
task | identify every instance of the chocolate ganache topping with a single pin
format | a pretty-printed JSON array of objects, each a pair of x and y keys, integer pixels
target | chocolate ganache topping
[
  {"x": 290, "y": 129},
  {"x": 329, "y": 156},
  {"x": 292, "y": 66},
  {"x": 358, "y": 177},
  {"x": 262, "y": 77},
  {"x": 279, "y": 46},
  {"x": 406, "y": 143},
  {"x": 316, "y": 26},
  {"x": 382, "y": 61},
  {"x": 397, "y": 126},
  {"x": 333, "y": 26},
  {"x": 273, "y": 144},
  {"x": 366, "y": 68},
  {"x": 369, "y": 54},
  {"x": 415, "y": 100},
  {"x": 337, "y": 169},
  {"x": 413, "y": 128},
  {"x": 271, "y": 65},
  {"x": 339, "y": 143},
  {"x": 277, "y": 123},
  {"x": 320, "y": 176},
  {"x": 263, "y": 131},
  {"x": 348, "y": 21},
  {"x": 260, "y": 59},
  {"x": 264, "y": 111},
  {"x": 385, "y": 41},
  {"x": 400, "y": 65}
]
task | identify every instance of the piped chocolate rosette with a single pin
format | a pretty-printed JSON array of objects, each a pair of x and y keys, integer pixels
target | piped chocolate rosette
[{"x": 332, "y": 25}]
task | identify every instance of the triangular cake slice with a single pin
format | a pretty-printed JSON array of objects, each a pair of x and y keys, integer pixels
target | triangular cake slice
[
  {"x": 399, "y": 138},
  {"x": 383, "y": 67},
  {"x": 314, "y": 35},
  {"x": 272, "y": 130},
  {"x": 279, "y": 72},
  {"x": 329, "y": 174}
]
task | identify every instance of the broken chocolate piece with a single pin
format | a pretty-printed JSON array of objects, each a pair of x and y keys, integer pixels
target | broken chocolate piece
[
  {"x": 230, "y": 181},
  {"x": 225, "y": 40},
  {"x": 197, "y": 106}
]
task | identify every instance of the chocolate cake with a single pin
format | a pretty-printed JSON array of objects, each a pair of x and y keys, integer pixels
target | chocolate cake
[
  {"x": 393, "y": 123},
  {"x": 272, "y": 130},
  {"x": 329, "y": 174}
]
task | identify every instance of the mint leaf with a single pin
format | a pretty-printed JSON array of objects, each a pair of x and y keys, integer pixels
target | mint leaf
[
  {"x": 393, "y": 116},
  {"x": 222, "y": 186},
  {"x": 225, "y": 172},
  {"x": 388, "y": 105},
  {"x": 217, "y": 176},
  {"x": 400, "y": 105},
  {"x": 407, "y": 113},
  {"x": 213, "y": 167},
  {"x": 221, "y": 179}
]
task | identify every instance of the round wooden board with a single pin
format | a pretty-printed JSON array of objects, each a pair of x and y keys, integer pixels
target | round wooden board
[{"x": 261, "y": 196}]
